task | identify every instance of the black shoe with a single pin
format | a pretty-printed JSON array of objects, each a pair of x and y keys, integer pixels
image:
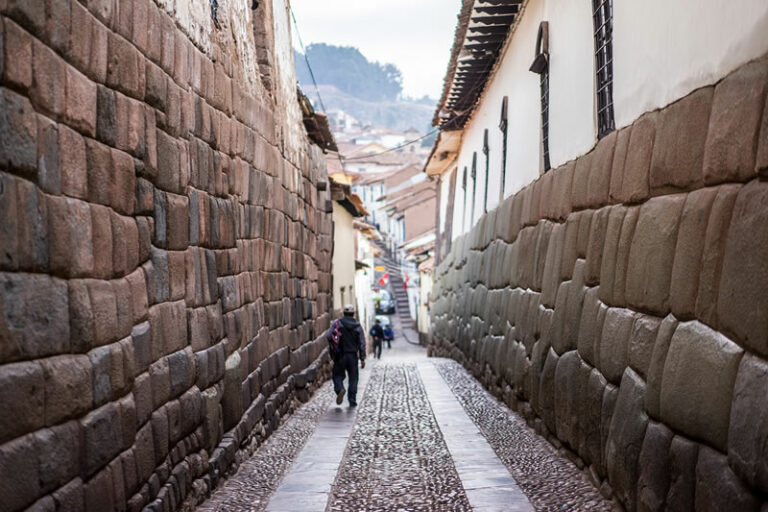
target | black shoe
[
  {"x": 352, "y": 404},
  {"x": 340, "y": 397}
]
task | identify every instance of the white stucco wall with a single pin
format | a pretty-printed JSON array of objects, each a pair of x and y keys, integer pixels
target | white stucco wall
[
  {"x": 343, "y": 261},
  {"x": 572, "y": 120},
  {"x": 665, "y": 49}
]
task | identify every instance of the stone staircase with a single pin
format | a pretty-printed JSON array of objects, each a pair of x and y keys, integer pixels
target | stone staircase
[{"x": 396, "y": 287}]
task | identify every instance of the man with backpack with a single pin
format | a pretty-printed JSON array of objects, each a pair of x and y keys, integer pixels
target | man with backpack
[
  {"x": 346, "y": 341},
  {"x": 377, "y": 333}
]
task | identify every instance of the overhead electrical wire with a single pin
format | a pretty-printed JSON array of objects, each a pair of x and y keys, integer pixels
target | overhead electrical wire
[
  {"x": 390, "y": 150},
  {"x": 306, "y": 59}
]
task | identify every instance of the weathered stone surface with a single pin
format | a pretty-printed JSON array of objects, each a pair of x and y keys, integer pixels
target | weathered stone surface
[
  {"x": 34, "y": 316},
  {"x": 734, "y": 124},
  {"x": 678, "y": 150},
  {"x": 599, "y": 184},
  {"x": 67, "y": 387},
  {"x": 610, "y": 250},
  {"x": 625, "y": 438},
  {"x": 742, "y": 301},
  {"x": 617, "y": 168},
  {"x": 698, "y": 380},
  {"x": 641, "y": 343},
  {"x": 614, "y": 343},
  {"x": 102, "y": 437},
  {"x": 686, "y": 268},
  {"x": 637, "y": 166},
  {"x": 595, "y": 245},
  {"x": 717, "y": 488},
  {"x": 653, "y": 463},
  {"x": 656, "y": 366},
  {"x": 748, "y": 429},
  {"x": 19, "y": 458},
  {"x": 590, "y": 328},
  {"x": 683, "y": 455},
  {"x": 651, "y": 257},
  {"x": 712, "y": 255},
  {"x": 22, "y": 393}
]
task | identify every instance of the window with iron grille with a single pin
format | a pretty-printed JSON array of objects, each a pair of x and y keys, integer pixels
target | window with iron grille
[
  {"x": 486, "y": 151},
  {"x": 464, "y": 188},
  {"x": 474, "y": 188},
  {"x": 503, "y": 128},
  {"x": 602, "y": 16},
  {"x": 540, "y": 66}
]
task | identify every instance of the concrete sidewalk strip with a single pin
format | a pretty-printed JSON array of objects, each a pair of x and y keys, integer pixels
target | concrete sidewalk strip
[
  {"x": 307, "y": 484},
  {"x": 486, "y": 480}
]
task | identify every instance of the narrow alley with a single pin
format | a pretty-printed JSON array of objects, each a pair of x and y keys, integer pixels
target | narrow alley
[{"x": 426, "y": 436}]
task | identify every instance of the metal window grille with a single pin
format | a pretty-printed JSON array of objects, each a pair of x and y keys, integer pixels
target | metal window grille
[
  {"x": 487, "y": 151},
  {"x": 474, "y": 188},
  {"x": 464, "y": 188},
  {"x": 503, "y": 128},
  {"x": 540, "y": 66},
  {"x": 602, "y": 16}
]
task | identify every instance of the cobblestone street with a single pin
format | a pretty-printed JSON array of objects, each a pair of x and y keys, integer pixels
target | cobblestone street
[{"x": 426, "y": 436}]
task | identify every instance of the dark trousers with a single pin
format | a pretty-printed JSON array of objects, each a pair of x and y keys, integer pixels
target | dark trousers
[
  {"x": 377, "y": 347},
  {"x": 346, "y": 364}
]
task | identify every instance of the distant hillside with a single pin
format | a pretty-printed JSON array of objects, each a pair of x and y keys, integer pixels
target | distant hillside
[
  {"x": 398, "y": 115},
  {"x": 368, "y": 91}
]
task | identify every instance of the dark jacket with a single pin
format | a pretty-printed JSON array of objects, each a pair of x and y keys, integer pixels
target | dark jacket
[
  {"x": 352, "y": 337},
  {"x": 377, "y": 331}
]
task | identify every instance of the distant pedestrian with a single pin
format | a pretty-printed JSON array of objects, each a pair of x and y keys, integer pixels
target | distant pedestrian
[
  {"x": 346, "y": 339},
  {"x": 388, "y": 335},
  {"x": 377, "y": 333}
]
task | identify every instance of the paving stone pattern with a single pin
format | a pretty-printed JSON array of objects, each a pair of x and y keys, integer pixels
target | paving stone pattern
[
  {"x": 257, "y": 478},
  {"x": 396, "y": 458},
  {"x": 550, "y": 481},
  {"x": 619, "y": 303}
]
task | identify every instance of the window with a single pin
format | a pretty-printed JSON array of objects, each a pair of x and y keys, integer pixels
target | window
[
  {"x": 487, "y": 151},
  {"x": 503, "y": 128},
  {"x": 602, "y": 16},
  {"x": 540, "y": 66},
  {"x": 464, "y": 210},
  {"x": 474, "y": 188}
]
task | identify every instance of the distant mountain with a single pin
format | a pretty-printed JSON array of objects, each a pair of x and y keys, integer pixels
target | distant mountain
[{"x": 369, "y": 91}]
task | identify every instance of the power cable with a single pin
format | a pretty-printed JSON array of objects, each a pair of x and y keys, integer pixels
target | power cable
[
  {"x": 306, "y": 59},
  {"x": 404, "y": 144}
]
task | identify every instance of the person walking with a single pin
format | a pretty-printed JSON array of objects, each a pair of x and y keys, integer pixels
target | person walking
[
  {"x": 388, "y": 335},
  {"x": 377, "y": 333},
  {"x": 347, "y": 342}
]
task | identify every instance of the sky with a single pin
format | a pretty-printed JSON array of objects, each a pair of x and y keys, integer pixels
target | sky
[{"x": 415, "y": 35}]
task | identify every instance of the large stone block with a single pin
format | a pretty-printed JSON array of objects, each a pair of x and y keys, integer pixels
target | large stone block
[
  {"x": 717, "y": 488},
  {"x": 686, "y": 268},
  {"x": 683, "y": 455},
  {"x": 20, "y": 485},
  {"x": 678, "y": 151},
  {"x": 591, "y": 327},
  {"x": 568, "y": 386},
  {"x": 68, "y": 391},
  {"x": 597, "y": 230},
  {"x": 748, "y": 430},
  {"x": 637, "y": 166},
  {"x": 610, "y": 250},
  {"x": 651, "y": 257},
  {"x": 656, "y": 366},
  {"x": 734, "y": 124},
  {"x": 697, "y": 384},
  {"x": 641, "y": 343},
  {"x": 653, "y": 478},
  {"x": 599, "y": 184},
  {"x": 22, "y": 393},
  {"x": 18, "y": 132},
  {"x": 69, "y": 228},
  {"x": 102, "y": 437},
  {"x": 625, "y": 438},
  {"x": 58, "y": 454},
  {"x": 34, "y": 316},
  {"x": 614, "y": 343},
  {"x": 742, "y": 299}
]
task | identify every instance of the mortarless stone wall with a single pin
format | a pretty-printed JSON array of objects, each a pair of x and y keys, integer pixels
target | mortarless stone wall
[
  {"x": 620, "y": 303},
  {"x": 164, "y": 251}
]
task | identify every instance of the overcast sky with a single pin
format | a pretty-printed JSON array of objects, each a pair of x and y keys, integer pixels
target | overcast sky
[{"x": 415, "y": 35}]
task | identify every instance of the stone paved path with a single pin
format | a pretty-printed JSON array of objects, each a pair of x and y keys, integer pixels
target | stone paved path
[{"x": 425, "y": 437}]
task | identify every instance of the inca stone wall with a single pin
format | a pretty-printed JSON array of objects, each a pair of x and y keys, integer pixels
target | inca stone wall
[
  {"x": 620, "y": 303},
  {"x": 164, "y": 251}
]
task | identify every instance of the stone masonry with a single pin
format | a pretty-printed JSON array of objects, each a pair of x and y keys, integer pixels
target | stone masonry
[
  {"x": 620, "y": 303},
  {"x": 164, "y": 250}
]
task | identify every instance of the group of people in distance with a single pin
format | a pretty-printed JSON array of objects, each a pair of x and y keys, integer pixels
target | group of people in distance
[{"x": 346, "y": 341}]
